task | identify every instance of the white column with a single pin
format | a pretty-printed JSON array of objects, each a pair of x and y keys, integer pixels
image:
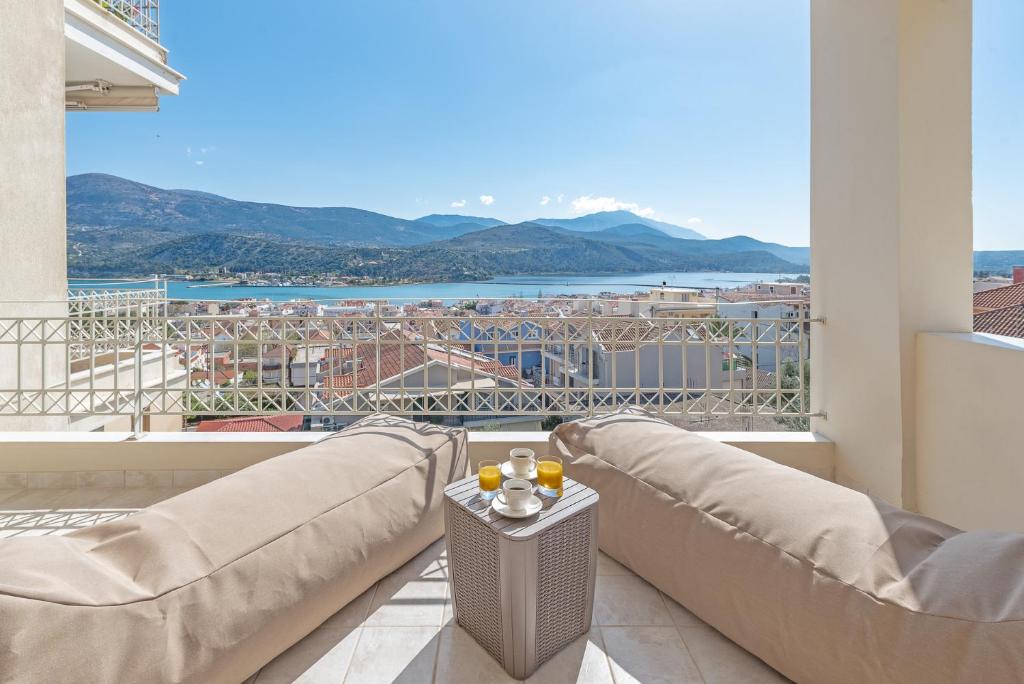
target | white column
[
  {"x": 33, "y": 264},
  {"x": 891, "y": 219}
]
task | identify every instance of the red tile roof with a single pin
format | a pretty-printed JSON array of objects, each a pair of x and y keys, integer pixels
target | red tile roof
[
  {"x": 999, "y": 297},
  {"x": 253, "y": 424},
  {"x": 1007, "y": 321},
  {"x": 393, "y": 361},
  {"x": 219, "y": 376}
]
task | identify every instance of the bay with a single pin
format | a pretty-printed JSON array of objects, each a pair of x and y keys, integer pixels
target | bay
[{"x": 496, "y": 288}]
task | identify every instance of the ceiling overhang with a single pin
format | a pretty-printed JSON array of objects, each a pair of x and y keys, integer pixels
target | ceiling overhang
[{"x": 109, "y": 65}]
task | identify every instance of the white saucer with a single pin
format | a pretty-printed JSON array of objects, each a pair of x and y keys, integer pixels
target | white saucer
[
  {"x": 506, "y": 470},
  {"x": 532, "y": 507}
]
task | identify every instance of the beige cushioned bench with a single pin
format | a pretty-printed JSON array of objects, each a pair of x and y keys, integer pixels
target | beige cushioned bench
[
  {"x": 210, "y": 585},
  {"x": 821, "y": 582}
]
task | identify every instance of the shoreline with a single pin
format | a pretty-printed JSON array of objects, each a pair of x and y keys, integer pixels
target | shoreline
[{"x": 503, "y": 279}]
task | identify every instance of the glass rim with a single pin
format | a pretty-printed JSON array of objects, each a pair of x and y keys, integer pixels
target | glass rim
[
  {"x": 486, "y": 463},
  {"x": 554, "y": 459}
]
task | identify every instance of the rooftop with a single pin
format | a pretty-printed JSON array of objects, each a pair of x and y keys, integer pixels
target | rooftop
[
  {"x": 1008, "y": 321},
  {"x": 999, "y": 297},
  {"x": 252, "y": 424}
]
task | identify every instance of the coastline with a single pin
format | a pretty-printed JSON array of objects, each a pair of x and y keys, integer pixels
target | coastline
[{"x": 506, "y": 287}]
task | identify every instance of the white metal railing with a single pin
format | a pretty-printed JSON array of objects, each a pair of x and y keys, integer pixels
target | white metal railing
[
  {"x": 101, "y": 315},
  {"x": 141, "y": 15},
  {"x": 132, "y": 357},
  {"x": 114, "y": 299}
]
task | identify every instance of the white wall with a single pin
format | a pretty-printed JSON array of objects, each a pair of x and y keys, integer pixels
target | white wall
[
  {"x": 662, "y": 366},
  {"x": 970, "y": 405},
  {"x": 32, "y": 185},
  {"x": 891, "y": 236}
]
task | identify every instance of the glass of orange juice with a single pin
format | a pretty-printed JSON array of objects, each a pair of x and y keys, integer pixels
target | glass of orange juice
[
  {"x": 549, "y": 476},
  {"x": 490, "y": 479}
]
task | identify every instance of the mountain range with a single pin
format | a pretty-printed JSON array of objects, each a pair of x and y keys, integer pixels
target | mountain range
[{"x": 121, "y": 227}]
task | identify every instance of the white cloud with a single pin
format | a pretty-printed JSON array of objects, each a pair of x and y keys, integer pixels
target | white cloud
[
  {"x": 561, "y": 198},
  {"x": 588, "y": 205},
  {"x": 188, "y": 150},
  {"x": 544, "y": 201},
  {"x": 458, "y": 204},
  {"x": 486, "y": 200},
  {"x": 694, "y": 221},
  {"x": 200, "y": 162}
]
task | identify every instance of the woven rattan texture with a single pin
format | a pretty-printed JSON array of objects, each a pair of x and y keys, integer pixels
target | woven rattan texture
[
  {"x": 477, "y": 591},
  {"x": 563, "y": 559}
]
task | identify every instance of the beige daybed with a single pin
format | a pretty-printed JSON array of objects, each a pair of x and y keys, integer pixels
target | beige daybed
[
  {"x": 211, "y": 585},
  {"x": 821, "y": 582}
]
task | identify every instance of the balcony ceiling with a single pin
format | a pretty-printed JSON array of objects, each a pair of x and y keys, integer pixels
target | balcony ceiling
[{"x": 130, "y": 68}]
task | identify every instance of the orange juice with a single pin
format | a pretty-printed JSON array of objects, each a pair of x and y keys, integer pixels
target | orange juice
[
  {"x": 549, "y": 475},
  {"x": 490, "y": 478}
]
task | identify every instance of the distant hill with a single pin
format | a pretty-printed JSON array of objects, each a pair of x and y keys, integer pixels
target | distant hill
[
  {"x": 609, "y": 219},
  {"x": 998, "y": 262},
  {"x": 121, "y": 227},
  {"x": 449, "y": 220},
  {"x": 99, "y": 201},
  {"x": 631, "y": 247},
  {"x": 637, "y": 234},
  {"x": 525, "y": 249}
]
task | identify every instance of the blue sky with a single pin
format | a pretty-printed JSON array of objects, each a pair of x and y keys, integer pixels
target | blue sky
[{"x": 694, "y": 112}]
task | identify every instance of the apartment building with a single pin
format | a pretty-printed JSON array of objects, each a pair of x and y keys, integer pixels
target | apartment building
[{"x": 82, "y": 57}]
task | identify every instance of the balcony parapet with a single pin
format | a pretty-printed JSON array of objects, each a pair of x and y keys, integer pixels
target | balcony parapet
[{"x": 191, "y": 458}]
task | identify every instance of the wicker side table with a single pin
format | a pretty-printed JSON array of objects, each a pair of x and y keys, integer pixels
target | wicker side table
[{"x": 523, "y": 588}]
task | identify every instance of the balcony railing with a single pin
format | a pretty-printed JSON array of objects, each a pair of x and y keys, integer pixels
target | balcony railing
[
  {"x": 117, "y": 299},
  {"x": 103, "y": 315},
  {"x": 141, "y": 15},
  {"x": 133, "y": 354}
]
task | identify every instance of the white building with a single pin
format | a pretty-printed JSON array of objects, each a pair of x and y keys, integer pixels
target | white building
[{"x": 57, "y": 57}]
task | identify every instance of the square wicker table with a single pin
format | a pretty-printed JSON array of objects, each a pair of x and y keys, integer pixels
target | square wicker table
[{"x": 523, "y": 588}]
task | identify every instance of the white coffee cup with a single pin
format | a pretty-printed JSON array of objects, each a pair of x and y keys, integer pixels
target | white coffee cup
[
  {"x": 523, "y": 461},
  {"x": 517, "y": 493}
]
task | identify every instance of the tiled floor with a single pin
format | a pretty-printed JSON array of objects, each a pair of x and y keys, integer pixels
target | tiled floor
[
  {"x": 25, "y": 512},
  {"x": 401, "y": 630}
]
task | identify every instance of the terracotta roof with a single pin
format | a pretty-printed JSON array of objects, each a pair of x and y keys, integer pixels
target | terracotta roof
[
  {"x": 999, "y": 297},
  {"x": 1007, "y": 321},
  {"x": 624, "y": 336},
  {"x": 734, "y": 297},
  {"x": 488, "y": 366},
  {"x": 253, "y": 424},
  {"x": 394, "y": 362},
  {"x": 219, "y": 376}
]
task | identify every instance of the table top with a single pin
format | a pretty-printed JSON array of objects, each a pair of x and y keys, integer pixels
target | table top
[{"x": 575, "y": 497}]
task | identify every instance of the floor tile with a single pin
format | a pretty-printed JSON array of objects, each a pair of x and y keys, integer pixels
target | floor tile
[
  {"x": 681, "y": 617},
  {"x": 628, "y": 600},
  {"x": 353, "y": 614},
  {"x": 394, "y": 654},
  {"x": 322, "y": 657},
  {"x": 606, "y": 565},
  {"x": 408, "y": 601},
  {"x": 462, "y": 659},
  {"x": 583, "y": 661},
  {"x": 140, "y": 497},
  {"x": 35, "y": 499},
  {"x": 648, "y": 655},
  {"x": 721, "y": 661},
  {"x": 431, "y": 562}
]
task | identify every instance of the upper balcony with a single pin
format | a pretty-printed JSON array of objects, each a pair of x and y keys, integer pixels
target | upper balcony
[
  {"x": 141, "y": 15},
  {"x": 114, "y": 58}
]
